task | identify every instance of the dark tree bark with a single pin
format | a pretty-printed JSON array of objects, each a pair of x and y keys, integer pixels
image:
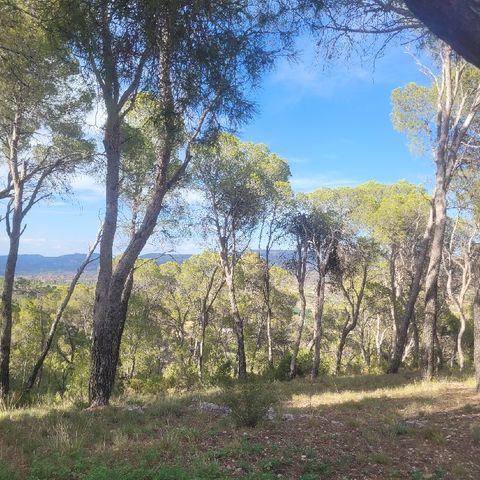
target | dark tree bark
[
  {"x": 456, "y": 109},
  {"x": 14, "y": 231},
  {"x": 457, "y": 22}
]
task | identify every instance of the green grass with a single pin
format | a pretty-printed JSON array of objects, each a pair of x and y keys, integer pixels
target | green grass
[{"x": 341, "y": 426}]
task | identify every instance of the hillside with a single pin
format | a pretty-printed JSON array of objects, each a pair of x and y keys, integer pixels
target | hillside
[{"x": 65, "y": 265}]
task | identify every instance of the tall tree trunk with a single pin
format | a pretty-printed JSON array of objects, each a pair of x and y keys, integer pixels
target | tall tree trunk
[
  {"x": 416, "y": 339},
  {"x": 476, "y": 335},
  {"x": 460, "y": 354},
  {"x": 201, "y": 343},
  {"x": 298, "y": 339},
  {"x": 113, "y": 289},
  {"x": 107, "y": 340},
  {"x": 14, "y": 231},
  {"x": 269, "y": 337},
  {"x": 7, "y": 300},
  {"x": 433, "y": 272},
  {"x": 268, "y": 302},
  {"x": 105, "y": 327},
  {"x": 415, "y": 287},
  {"x": 237, "y": 322},
  {"x": 317, "y": 326}
]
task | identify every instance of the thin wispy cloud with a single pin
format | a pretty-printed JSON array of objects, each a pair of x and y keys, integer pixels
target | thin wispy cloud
[
  {"x": 192, "y": 196},
  {"x": 88, "y": 187},
  {"x": 308, "y": 75}
]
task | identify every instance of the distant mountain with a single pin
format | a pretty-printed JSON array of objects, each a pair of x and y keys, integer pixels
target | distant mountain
[
  {"x": 37, "y": 265},
  {"x": 65, "y": 265}
]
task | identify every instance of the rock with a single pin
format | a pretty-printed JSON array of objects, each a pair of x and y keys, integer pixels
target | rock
[
  {"x": 271, "y": 414},
  {"x": 134, "y": 408},
  {"x": 214, "y": 408}
]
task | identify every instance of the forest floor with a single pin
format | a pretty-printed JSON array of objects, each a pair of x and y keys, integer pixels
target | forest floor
[{"x": 365, "y": 427}]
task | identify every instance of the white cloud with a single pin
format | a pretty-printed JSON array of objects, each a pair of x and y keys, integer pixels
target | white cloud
[
  {"x": 192, "y": 196},
  {"x": 88, "y": 188},
  {"x": 308, "y": 76}
]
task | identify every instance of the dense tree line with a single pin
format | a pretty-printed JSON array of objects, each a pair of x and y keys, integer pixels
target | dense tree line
[{"x": 370, "y": 278}]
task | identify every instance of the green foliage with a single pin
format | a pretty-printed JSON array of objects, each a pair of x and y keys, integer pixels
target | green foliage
[
  {"x": 180, "y": 378},
  {"x": 238, "y": 180},
  {"x": 249, "y": 401},
  {"x": 304, "y": 365},
  {"x": 414, "y": 109}
]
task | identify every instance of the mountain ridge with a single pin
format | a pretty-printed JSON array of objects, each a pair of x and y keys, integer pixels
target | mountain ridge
[{"x": 33, "y": 264}]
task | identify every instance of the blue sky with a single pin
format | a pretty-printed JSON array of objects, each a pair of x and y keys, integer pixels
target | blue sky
[{"x": 331, "y": 123}]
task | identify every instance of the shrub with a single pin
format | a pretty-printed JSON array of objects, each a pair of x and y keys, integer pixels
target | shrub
[
  {"x": 178, "y": 377},
  {"x": 282, "y": 370},
  {"x": 304, "y": 365},
  {"x": 475, "y": 429},
  {"x": 249, "y": 401},
  {"x": 222, "y": 373}
]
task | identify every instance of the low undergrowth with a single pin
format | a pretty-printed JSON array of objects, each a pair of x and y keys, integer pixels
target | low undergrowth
[{"x": 376, "y": 427}]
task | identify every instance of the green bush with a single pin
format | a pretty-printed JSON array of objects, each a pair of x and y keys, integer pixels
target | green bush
[
  {"x": 179, "y": 377},
  {"x": 282, "y": 370},
  {"x": 221, "y": 374},
  {"x": 152, "y": 385},
  {"x": 249, "y": 401},
  {"x": 304, "y": 365}
]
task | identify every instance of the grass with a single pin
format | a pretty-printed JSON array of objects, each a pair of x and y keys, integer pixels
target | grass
[{"x": 370, "y": 427}]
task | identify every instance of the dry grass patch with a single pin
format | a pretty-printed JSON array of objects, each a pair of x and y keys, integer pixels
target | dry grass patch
[{"x": 375, "y": 427}]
